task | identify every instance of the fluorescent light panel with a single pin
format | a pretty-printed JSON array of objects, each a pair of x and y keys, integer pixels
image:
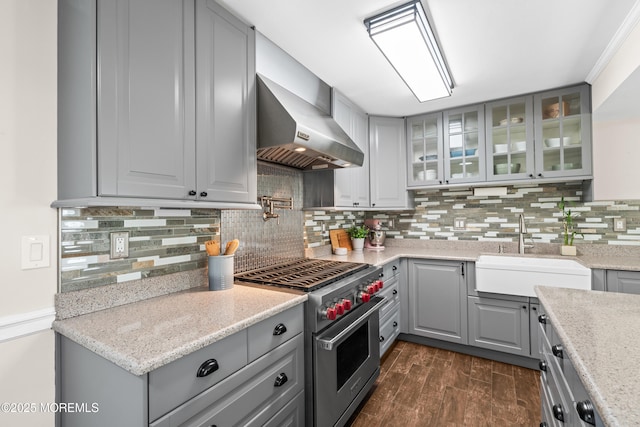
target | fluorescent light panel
[{"x": 404, "y": 37}]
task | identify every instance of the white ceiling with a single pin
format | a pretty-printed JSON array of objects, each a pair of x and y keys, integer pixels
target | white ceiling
[{"x": 494, "y": 48}]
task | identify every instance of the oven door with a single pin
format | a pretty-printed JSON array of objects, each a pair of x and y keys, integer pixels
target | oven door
[{"x": 346, "y": 362}]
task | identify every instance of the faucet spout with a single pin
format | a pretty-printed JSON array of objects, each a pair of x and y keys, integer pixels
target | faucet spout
[{"x": 522, "y": 230}]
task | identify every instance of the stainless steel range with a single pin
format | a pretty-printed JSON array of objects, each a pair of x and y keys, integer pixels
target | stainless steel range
[{"x": 342, "y": 356}]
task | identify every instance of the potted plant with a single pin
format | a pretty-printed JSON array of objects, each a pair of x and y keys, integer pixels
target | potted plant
[
  {"x": 357, "y": 235},
  {"x": 568, "y": 230}
]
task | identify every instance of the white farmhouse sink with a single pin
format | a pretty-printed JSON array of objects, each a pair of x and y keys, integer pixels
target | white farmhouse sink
[{"x": 517, "y": 275}]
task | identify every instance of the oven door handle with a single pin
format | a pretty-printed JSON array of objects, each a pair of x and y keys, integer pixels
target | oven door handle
[{"x": 327, "y": 344}]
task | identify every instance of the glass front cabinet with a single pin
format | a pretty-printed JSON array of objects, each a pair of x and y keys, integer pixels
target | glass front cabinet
[
  {"x": 424, "y": 134},
  {"x": 464, "y": 145},
  {"x": 510, "y": 151},
  {"x": 563, "y": 133}
]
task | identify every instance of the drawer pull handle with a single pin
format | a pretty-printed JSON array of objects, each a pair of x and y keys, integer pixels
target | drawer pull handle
[
  {"x": 280, "y": 380},
  {"x": 543, "y": 366},
  {"x": 207, "y": 368},
  {"x": 395, "y": 292},
  {"x": 542, "y": 319},
  {"x": 544, "y": 424},
  {"x": 395, "y": 324},
  {"x": 585, "y": 412},
  {"x": 557, "y": 351},
  {"x": 279, "y": 329},
  {"x": 381, "y": 338},
  {"x": 557, "y": 412}
]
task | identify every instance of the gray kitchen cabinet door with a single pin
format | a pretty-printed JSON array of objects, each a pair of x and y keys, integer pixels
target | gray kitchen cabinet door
[
  {"x": 146, "y": 138},
  {"x": 425, "y": 152},
  {"x": 352, "y": 184},
  {"x": 627, "y": 282},
  {"x": 534, "y": 312},
  {"x": 388, "y": 163},
  {"x": 225, "y": 106},
  {"x": 499, "y": 325},
  {"x": 464, "y": 137},
  {"x": 437, "y": 300}
]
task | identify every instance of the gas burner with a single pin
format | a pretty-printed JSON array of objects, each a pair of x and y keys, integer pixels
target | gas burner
[{"x": 304, "y": 274}]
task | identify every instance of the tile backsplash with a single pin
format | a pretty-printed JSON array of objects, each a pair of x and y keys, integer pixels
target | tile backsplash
[
  {"x": 492, "y": 218},
  {"x": 164, "y": 241}
]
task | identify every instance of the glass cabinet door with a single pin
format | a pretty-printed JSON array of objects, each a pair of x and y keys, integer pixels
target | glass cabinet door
[
  {"x": 425, "y": 149},
  {"x": 563, "y": 133},
  {"x": 464, "y": 144},
  {"x": 510, "y": 139}
]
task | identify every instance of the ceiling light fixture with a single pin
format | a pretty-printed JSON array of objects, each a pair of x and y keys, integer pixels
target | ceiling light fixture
[{"x": 405, "y": 38}]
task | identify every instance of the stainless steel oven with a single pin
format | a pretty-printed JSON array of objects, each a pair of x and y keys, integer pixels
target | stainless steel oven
[
  {"x": 342, "y": 353},
  {"x": 346, "y": 363}
]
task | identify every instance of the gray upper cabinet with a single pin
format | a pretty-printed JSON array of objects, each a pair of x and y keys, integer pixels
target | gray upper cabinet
[
  {"x": 563, "y": 133},
  {"x": 171, "y": 123},
  {"x": 225, "y": 106},
  {"x": 438, "y": 300},
  {"x": 388, "y": 163},
  {"x": 425, "y": 152},
  {"x": 464, "y": 145},
  {"x": 352, "y": 184},
  {"x": 510, "y": 143}
]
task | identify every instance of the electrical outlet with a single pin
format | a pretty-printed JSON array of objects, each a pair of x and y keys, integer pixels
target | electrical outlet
[
  {"x": 119, "y": 245},
  {"x": 619, "y": 224}
]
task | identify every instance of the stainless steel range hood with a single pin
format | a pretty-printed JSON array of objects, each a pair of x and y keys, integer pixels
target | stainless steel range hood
[{"x": 295, "y": 133}]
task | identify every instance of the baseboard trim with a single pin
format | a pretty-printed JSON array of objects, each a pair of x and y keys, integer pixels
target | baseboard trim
[{"x": 20, "y": 325}]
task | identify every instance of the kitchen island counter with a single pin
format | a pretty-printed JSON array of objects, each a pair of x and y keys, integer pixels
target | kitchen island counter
[
  {"x": 145, "y": 335},
  {"x": 599, "y": 331}
]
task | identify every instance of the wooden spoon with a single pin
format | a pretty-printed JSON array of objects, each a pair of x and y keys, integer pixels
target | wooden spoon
[
  {"x": 232, "y": 246},
  {"x": 212, "y": 247}
]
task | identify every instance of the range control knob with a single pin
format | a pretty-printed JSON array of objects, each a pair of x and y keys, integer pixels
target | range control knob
[
  {"x": 330, "y": 313},
  {"x": 339, "y": 308},
  {"x": 380, "y": 284},
  {"x": 346, "y": 303},
  {"x": 365, "y": 297},
  {"x": 372, "y": 288}
]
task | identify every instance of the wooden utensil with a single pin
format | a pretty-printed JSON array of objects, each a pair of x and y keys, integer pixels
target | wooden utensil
[
  {"x": 212, "y": 247},
  {"x": 232, "y": 246},
  {"x": 340, "y": 239}
]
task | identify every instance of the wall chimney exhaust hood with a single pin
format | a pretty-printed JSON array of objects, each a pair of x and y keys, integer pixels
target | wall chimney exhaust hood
[{"x": 295, "y": 133}]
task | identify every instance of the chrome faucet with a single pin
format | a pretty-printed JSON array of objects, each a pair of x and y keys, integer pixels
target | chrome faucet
[{"x": 522, "y": 230}]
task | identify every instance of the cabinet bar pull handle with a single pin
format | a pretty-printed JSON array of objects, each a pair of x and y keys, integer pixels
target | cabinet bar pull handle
[
  {"x": 279, "y": 329},
  {"x": 280, "y": 380},
  {"x": 207, "y": 368}
]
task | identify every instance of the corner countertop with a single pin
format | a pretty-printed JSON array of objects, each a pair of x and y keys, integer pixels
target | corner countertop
[
  {"x": 142, "y": 336},
  {"x": 599, "y": 331},
  {"x": 379, "y": 257}
]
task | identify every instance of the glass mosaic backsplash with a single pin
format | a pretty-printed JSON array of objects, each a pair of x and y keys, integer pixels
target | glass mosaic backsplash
[
  {"x": 165, "y": 241},
  {"x": 492, "y": 218}
]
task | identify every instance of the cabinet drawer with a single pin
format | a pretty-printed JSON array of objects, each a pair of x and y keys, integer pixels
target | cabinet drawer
[
  {"x": 390, "y": 270},
  {"x": 291, "y": 415},
  {"x": 275, "y": 330},
  {"x": 546, "y": 411},
  {"x": 176, "y": 382},
  {"x": 390, "y": 293},
  {"x": 251, "y": 396},
  {"x": 389, "y": 329}
]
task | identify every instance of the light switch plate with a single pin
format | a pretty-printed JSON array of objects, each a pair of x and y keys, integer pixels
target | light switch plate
[
  {"x": 35, "y": 252},
  {"x": 459, "y": 224},
  {"x": 619, "y": 224}
]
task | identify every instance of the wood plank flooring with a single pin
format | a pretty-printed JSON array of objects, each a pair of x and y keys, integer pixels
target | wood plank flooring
[{"x": 426, "y": 386}]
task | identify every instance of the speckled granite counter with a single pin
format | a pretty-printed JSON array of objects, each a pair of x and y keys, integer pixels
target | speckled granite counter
[
  {"x": 599, "y": 331},
  {"x": 145, "y": 335}
]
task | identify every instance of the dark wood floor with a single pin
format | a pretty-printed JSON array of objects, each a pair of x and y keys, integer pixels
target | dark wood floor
[{"x": 425, "y": 386}]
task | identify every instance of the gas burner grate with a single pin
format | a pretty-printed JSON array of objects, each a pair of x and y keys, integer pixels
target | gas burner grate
[{"x": 305, "y": 273}]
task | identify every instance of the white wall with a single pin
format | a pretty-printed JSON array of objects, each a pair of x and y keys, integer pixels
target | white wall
[{"x": 27, "y": 187}]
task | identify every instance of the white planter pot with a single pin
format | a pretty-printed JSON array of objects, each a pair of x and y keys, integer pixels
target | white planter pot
[
  {"x": 568, "y": 250},
  {"x": 357, "y": 244}
]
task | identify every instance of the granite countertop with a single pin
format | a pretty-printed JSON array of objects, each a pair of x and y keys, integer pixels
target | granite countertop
[
  {"x": 599, "y": 331},
  {"x": 470, "y": 253},
  {"x": 142, "y": 336}
]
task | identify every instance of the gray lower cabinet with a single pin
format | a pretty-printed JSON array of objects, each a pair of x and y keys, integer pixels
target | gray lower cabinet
[
  {"x": 156, "y": 101},
  {"x": 390, "y": 311},
  {"x": 563, "y": 397},
  {"x": 500, "y": 325},
  {"x": 438, "y": 300},
  {"x": 256, "y": 378},
  {"x": 627, "y": 282}
]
